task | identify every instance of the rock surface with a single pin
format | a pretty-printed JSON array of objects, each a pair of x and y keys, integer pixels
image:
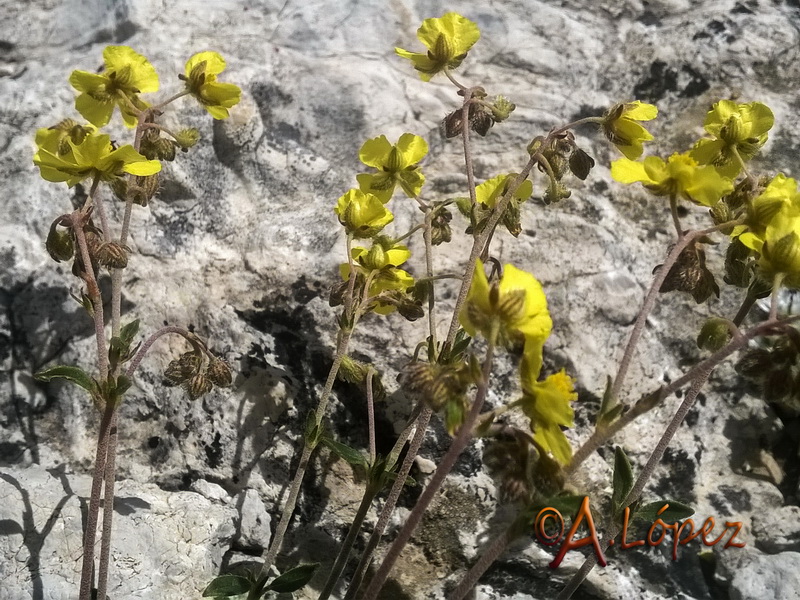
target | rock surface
[{"x": 242, "y": 246}]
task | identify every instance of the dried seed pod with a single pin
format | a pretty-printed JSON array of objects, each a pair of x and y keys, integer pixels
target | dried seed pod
[
  {"x": 59, "y": 244},
  {"x": 182, "y": 368},
  {"x": 199, "y": 385},
  {"x": 219, "y": 373}
]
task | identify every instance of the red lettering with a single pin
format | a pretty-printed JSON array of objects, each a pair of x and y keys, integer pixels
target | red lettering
[
  {"x": 738, "y": 526},
  {"x": 624, "y": 541},
  {"x": 706, "y": 529},
  {"x": 583, "y": 513}
]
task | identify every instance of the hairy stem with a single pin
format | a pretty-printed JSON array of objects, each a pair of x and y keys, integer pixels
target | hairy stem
[
  {"x": 445, "y": 466},
  {"x": 108, "y": 507},
  {"x": 308, "y": 449},
  {"x": 487, "y": 558},
  {"x": 421, "y": 424},
  {"x": 344, "y": 552},
  {"x": 93, "y": 291},
  {"x": 650, "y": 301},
  {"x": 148, "y": 343},
  {"x": 87, "y": 568}
]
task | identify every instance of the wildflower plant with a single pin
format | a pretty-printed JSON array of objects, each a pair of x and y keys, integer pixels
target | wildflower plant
[
  {"x": 498, "y": 308},
  {"x": 120, "y": 176},
  {"x": 503, "y": 308}
]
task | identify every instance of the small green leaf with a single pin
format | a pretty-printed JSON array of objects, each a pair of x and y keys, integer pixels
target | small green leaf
[
  {"x": 128, "y": 332},
  {"x": 123, "y": 384},
  {"x": 677, "y": 511},
  {"x": 609, "y": 408},
  {"x": 352, "y": 456},
  {"x": 225, "y": 586},
  {"x": 74, "y": 374},
  {"x": 293, "y": 579},
  {"x": 623, "y": 479}
]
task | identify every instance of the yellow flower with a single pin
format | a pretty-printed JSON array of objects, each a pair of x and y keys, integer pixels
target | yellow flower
[
  {"x": 201, "y": 81},
  {"x": 492, "y": 189},
  {"x": 515, "y": 305},
  {"x": 781, "y": 194},
  {"x": 94, "y": 156},
  {"x": 680, "y": 176},
  {"x": 448, "y": 40},
  {"x": 779, "y": 247},
  {"x": 396, "y": 164},
  {"x": 547, "y": 405},
  {"x": 363, "y": 215},
  {"x": 622, "y": 128},
  {"x": 736, "y": 128},
  {"x": 126, "y": 74}
]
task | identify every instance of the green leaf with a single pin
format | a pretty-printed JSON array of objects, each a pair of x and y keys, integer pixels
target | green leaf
[
  {"x": 623, "y": 479},
  {"x": 293, "y": 579},
  {"x": 225, "y": 586},
  {"x": 123, "y": 384},
  {"x": 677, "y": 511},
  {"x": 566, "y": 504},
  {"x": 74, "y": 374},
  {"x": 128, "y": 332},
  {"x": 609, "y": 408},
  {"x": 352, "y": 456}
]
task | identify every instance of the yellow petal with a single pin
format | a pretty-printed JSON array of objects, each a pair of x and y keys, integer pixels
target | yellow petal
[
  {"x": 96, "y": 112},
  {"x": 412, "y": 149},
  {"x": 215, "y": 64},
  {"x": 640, "y": 111},
  {"x": 460, "y": 33},
  {"x": 626, "y": 170},
  {"x": 144, "y": 77},
  {"x": 375, "y": 152}
]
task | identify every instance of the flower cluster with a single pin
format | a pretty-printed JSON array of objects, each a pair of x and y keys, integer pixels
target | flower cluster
[{"x": 362, "y": 211}]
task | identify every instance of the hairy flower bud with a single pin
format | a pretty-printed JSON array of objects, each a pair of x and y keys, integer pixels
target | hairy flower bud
[
  {"x": 112, "y": 255},
  {"x": 502, "y": 109},
  {"x": 186, "y": 138},
  {"x": 714, "y": 334}
]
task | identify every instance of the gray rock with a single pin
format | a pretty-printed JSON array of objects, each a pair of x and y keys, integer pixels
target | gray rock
[
  {"x": 752, "y": 575},
  {"x": 254, "y": 521},
  {"x": 242, "y": 244}
]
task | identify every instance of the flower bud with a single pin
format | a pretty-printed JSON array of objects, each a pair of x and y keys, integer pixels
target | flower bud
[
  {"x": 376, "y": 258},
  {"x": 451, "y": 124},
  {"x": 219, "y": 373},
  {"x": 410, "y": 310},
  {"x": 440, "y": 227},
  {"x": 165, "y": 149},
  {"x": 754, "y": 363},
  {"x": 714, "y": 334},
  {"x": 112, "y": 255},
  {"x": 778, "y": 385},
  {"x": 352, "y": 370},
  {"x": 186, "y": 138},
  {"x": 502, "y": 109},
  {"x": 784, "y": 255}
]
